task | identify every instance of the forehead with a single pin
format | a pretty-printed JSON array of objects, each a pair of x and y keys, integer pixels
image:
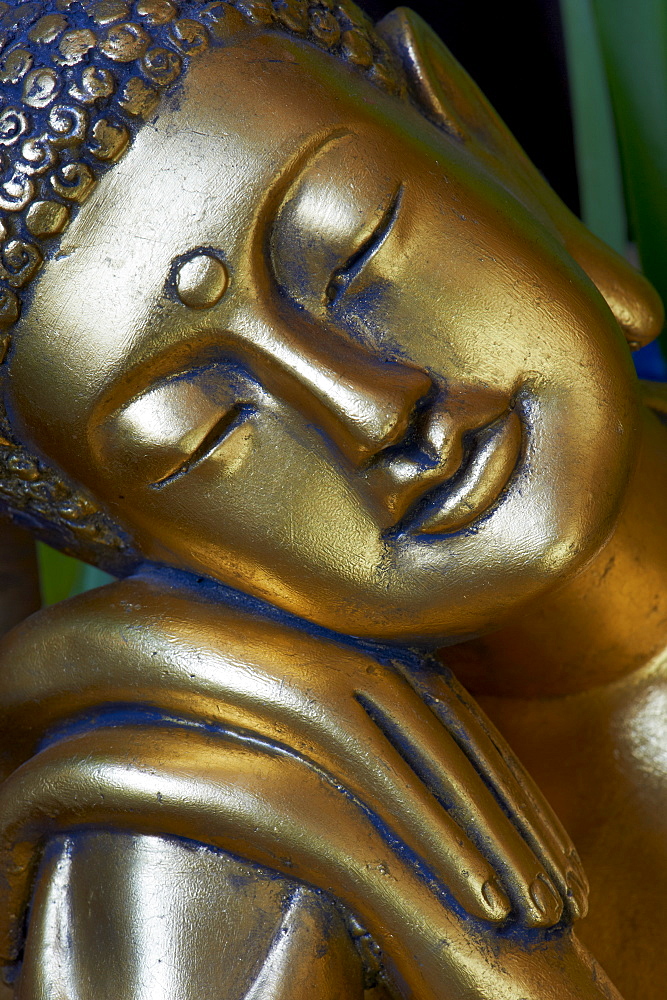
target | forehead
[
  {"x": 202, "y": 174},
  {"x": 241, "y": 115}
]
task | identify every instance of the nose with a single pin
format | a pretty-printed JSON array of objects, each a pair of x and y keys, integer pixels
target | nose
[{"x": 363, "y": 402}]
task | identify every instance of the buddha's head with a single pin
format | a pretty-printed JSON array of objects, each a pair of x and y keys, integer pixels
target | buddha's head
[{"x": 285, "y": 306}]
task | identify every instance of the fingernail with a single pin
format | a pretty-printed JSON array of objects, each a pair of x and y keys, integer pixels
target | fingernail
[
  {"x": 546, "y": 899},
  {"x": 496, "y": 900},
  {"x": 577, "y": 897}
]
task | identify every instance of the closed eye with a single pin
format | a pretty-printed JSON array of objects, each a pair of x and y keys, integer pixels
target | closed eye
[
  {"x": 177, "y": 422},
  {"x": 227, "y": 423},
  {"x": 343, "y": 275}
]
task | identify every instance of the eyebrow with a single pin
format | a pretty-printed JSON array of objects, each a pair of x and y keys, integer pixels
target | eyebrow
[
  {"x": 212, "y": 348},
  {"x": 279, "y": 188}
]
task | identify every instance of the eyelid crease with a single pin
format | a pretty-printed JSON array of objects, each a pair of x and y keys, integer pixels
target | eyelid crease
[
  {"x": 209, "y": 442},
  {"x": 344, "y": 274},
  {"x": 200, "y": 351}
]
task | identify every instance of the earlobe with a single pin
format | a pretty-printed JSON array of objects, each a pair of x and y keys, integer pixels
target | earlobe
[
  {"x": 633, "y": 300},
  {"x": 448, "y": 97}
]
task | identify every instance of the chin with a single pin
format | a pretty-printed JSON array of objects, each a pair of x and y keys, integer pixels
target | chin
[{"x": 462, "y": 594}]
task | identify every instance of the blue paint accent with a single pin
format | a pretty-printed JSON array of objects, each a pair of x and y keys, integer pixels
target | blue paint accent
[
  {"x": 119, "y": 716},
  {"x": 359, "y": 314},
  {"x": 407, "y": 750},
  {"x": 170, "y": 284},
  {"x": 206, "y": 589},
  {"x": 361, "y": 305},
  {"x": 458, "y": 731},
  {"x": 467, "y": 744},
  {"x": 344, "y": 275},
  {"x": 650, "y": 363},
  {"x": 19, "y": 21}
]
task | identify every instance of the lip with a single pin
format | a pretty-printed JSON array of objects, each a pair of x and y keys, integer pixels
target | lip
[{"x": 485, "y": 472}]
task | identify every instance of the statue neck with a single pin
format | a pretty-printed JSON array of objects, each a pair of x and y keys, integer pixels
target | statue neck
[{"x": 610, "y": 620}]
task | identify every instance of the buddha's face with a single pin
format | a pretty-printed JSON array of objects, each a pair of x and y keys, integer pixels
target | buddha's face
[{"x": 299, "y": 341}]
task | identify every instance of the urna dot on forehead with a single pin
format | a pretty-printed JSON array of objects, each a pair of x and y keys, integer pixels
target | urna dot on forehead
[{"x": 79, "y": 79}]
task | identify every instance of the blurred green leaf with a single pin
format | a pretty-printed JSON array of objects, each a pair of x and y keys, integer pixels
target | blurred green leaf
[
  {"x": 90, "y": 577},
  {"x": 634, "y": 45},
  {"x": 62, "y": 576},
  {"x": 58, "y": 574},
  {"x": 596, "y": 143}
]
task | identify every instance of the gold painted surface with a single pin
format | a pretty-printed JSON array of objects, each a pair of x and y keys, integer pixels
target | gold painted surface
[
  {"x": 196, "y": 666},
  {"x": 321, "y": 543},
  {"x": 600, "y": 757},
  {"x": 318, "y": 717},
  {"x": 249, "y": 933},
  {"x": 319, "y": 333}
]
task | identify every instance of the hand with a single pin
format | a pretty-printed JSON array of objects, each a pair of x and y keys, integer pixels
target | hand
[
  {"x": 366, "y": 724},
  {"x": 270, "y": 806}
]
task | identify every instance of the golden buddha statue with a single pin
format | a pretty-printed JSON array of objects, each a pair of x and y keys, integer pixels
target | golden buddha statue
[{"x": 300, "y": 347}]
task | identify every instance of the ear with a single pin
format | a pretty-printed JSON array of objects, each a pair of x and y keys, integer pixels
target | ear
[{"x": 451, "y": 100}]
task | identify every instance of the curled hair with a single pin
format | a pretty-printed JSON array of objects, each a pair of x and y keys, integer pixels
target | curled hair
[{"x": 78, "y": 78}]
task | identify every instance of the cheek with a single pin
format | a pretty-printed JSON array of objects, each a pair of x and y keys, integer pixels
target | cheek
[
  {"x": 269, "y": 510},
  {"x": 471, "y": 287},
  {"x": 468, "y": 316}
]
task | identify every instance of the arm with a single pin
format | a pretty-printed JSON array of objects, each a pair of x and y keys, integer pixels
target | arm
[
  {"x": 139, "y": 643},
  {"x": 240, "y": 795}
]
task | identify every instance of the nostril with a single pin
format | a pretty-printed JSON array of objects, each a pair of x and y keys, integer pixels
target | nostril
[
  {"x": 410, "y": 433},
  {"x": 401, "y": 406}
]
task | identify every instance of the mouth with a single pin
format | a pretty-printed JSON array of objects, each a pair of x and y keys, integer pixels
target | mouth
[{"x": 491, "y": 458}]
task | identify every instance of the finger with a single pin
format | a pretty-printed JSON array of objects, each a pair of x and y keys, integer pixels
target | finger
[
  {"x": 534, "y": 815},
  {"x": 519, "y": 795},
  {"x": 488, "y": 735},
  {"x": 436, "y": 757},
  {"x": 239, "y": 796},
  {"x": 351, "y": 748},
  {"x": 374, "y": 770},
  {"x": 336, "y": 732},
  {"x": 220, "y": 690},
  {"x": 129, "y": 665}
]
